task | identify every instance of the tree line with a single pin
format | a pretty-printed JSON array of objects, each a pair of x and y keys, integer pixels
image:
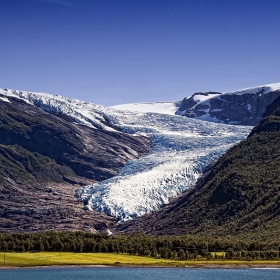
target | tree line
[{"x": 168, "y": 247}]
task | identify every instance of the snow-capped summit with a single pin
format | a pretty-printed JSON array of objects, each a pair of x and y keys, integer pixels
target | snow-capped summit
[{"x": 245, "y": 107}]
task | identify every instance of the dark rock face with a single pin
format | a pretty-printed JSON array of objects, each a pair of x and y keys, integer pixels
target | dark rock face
[
  {"x": 45, "y": 157},
  {"x": 271, "y": 121},
  {"x": 244, "y": 109},
  {"x": 91, "y": 153}
]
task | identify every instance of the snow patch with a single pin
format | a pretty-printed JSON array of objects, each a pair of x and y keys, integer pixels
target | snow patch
[
  {"x": 204, "y": 97},
  {"x": 81, "y": 112},
  {"x": 152, "y": 107},
  {"x": 253, "y": 90},
  {"x": 5, "y": 99}
]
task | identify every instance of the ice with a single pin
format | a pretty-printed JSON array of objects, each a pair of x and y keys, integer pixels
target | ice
[
  {"x": 181, "y": 149},
  {"x": 81, "y": 112},
  {"x": 253, "y": 90}
]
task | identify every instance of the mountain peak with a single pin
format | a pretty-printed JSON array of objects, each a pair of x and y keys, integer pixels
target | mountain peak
[{"x": 242, "y": 107}]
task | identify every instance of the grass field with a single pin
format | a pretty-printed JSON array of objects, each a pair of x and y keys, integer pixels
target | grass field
[
  {"x": 26, "y": 259},
  {"x": 219, "y": 254}
]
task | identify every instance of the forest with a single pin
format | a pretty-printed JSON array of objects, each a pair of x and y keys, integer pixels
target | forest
[{"x": 183, "y": 247}]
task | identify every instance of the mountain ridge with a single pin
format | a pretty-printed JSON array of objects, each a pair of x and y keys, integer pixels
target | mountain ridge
[{"x": 243, "y": 107}]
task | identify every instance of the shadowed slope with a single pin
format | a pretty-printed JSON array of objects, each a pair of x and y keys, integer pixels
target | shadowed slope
[{"x": 45, "y": 157}]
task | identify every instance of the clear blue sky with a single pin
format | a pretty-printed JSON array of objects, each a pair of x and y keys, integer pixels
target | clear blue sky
[{"x": 120, "y": 51}]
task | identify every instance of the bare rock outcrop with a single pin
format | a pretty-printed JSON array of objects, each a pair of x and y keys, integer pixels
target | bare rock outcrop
[{"x": 243, "y": 108}]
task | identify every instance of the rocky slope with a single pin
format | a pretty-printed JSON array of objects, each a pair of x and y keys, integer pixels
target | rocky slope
[
  {"x": 244, "y": 107},
  {"x": 239, "y": 196},
  {"x": 44, "y": 157}
]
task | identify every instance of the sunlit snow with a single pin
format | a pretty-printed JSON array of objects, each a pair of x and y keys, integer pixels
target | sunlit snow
[
  {"x": 5, "y": 99},
  {"x": 151, "y": 107},
  {"x": 266, "y": 88},
  {"x": 204, "y": 97}
]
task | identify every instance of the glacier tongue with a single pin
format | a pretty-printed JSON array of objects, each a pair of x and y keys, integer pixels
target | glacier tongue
[{"x": 181, "y": 149}]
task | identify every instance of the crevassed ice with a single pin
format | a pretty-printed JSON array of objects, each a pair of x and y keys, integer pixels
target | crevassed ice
[{"x": 181, "y": 149}]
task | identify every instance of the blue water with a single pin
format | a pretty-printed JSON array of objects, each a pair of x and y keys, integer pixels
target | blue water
[{"x": 139, "y": 273}]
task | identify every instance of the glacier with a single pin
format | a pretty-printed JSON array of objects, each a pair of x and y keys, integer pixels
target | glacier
[{"x": 181, "y": 148}]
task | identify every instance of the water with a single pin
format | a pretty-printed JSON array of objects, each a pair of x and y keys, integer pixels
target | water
[{"x": 139, "y": 273}]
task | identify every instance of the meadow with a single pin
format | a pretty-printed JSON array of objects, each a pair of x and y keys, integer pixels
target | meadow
[{"x": 29, "y": 259}]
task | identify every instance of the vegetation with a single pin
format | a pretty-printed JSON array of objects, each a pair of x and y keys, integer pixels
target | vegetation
[
  {"x": 23, "y": 166},
  {"x": 26, "y": 259},
  {"x": 178, "y": 248},
  {"x": 69, "y": 258},
  {"x": 242, "y": 191},
  {"x": 233, "y": 214},
  {"x": 27, "y": 132},
  {"x": 240, "y": 196}
]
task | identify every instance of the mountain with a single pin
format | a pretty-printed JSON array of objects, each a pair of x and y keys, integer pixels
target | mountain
[
  {"x": 45, "y": 156},
  {"x": 238, "y": 196},
  {"x": 91, "y": 153},
  {"x": 243, "y": 107},
  {"x": 180, "y": 150},
  {"x": 125, "y": 164}
]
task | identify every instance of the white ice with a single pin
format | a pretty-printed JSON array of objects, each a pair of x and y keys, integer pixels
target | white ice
[{"x": 181, "y": 149}]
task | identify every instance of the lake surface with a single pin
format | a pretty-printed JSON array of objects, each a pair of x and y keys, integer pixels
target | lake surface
[{"x": 138, "y": 273}]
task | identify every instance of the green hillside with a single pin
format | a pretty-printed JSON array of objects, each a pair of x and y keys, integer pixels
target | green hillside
[{"x": 240, "y": 196}]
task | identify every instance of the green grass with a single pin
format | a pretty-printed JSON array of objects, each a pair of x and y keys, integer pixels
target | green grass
[
  {"x": 56, "y": 258},
  {"x": 68, "y": 258},
  {"x": 219, "y": 254}
]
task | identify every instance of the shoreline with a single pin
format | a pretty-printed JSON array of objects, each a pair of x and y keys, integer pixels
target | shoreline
[{"x": 195, "y": 266}]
